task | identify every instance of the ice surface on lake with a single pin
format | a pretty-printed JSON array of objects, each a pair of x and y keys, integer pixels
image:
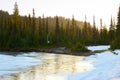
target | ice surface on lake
[
  {"x": 101, "y": 66},
  {"x": 47, "y": 66},
  {"x": 14, "y": 64}
]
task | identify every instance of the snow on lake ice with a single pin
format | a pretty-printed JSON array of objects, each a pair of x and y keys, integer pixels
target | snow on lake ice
[
  {"x": 56, "y": 77},
  {"x": 14, "y": 64}
]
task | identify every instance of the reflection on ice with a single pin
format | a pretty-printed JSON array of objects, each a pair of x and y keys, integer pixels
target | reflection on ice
[
  {"x": 53, "y": 67},
  {"x": 83, "y": 66}
]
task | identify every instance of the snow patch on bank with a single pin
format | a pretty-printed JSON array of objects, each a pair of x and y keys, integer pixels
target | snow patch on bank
[{"x": 95, "y": 48}]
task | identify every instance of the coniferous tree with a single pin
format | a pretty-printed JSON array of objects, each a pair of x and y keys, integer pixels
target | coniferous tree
[
  {"x": 112, "y": 30},
  {"x": 33, "y": 29},
  {"x": 40, "y": 30},
  {"x": 15, "y": 25},
  {"x": 72, "y": 28},
  {"x": 115, "y": 44},
  {"x": 118, "y": 25},
  {"x": 101, "y": 32},
  {"x": 57, "y": 30},
  {"x": 67, "y": 31},
  {"x": 84, "y": 31},
  {"x": 105, "y": 35},
  {"x": 94, "y": 32},
  {"x": 47, "y": 35},
  {"x": 43, "y": 27}
]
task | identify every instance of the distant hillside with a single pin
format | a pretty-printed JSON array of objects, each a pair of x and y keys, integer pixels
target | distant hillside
[
  {"x": 63, "y": 22},
  {"x": 51, "y": 20},
  {"x": 4, "y": 13}
]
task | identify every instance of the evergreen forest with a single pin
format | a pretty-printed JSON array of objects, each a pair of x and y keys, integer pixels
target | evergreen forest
[{"x": 25, "y": 32}]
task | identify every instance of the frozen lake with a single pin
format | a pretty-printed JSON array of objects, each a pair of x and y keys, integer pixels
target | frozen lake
[
  {"x": 47, "y": 66},
  {"x": 39, "y": 66}
]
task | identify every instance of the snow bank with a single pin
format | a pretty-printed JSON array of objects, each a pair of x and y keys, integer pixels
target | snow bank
[
  {"x": 94, "y": 48},
  {"x": 11, "y": 64},
  {"x": 106, "y": 67},
  {"x": 117, "y": 51}
]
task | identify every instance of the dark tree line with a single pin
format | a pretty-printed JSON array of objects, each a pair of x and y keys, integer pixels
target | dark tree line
[{"x": 30, "y": 32}]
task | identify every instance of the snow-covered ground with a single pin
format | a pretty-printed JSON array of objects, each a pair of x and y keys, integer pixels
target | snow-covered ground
[{"x": 106, "y": 66}]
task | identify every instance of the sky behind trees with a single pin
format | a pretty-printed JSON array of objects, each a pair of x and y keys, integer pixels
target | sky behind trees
[{"x": 79, "y": 8}]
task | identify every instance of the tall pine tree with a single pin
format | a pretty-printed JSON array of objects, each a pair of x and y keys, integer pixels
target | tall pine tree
[
  {"x": 16, "y": 21},
  {"x": 115, "y": 44},
  {"x": 111, "y": 30}
]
